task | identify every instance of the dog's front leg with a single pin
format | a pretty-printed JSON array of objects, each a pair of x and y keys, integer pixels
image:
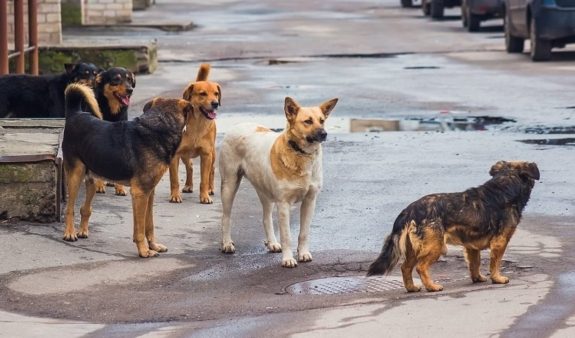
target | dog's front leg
[
  {"x": 497, "y": 249},
  {"x": 206, "y": 165},
  {"x": 140, "y": 200},
  {"x": 285, "y": 237},
  {"x": 306, "y": 215},
  {"x": 74, "y": 176}
]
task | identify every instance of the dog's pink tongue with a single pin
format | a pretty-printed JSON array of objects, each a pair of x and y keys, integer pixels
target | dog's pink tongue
[
  {"x": 125, "y": 100},
  {"x": 212, "y": 114}
]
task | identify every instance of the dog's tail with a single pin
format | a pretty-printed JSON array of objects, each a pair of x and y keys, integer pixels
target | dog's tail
[
  {"x": 203, "y": 72},
  {"x": 78, "y": 94},
  {"x": 393, "y": 248}
]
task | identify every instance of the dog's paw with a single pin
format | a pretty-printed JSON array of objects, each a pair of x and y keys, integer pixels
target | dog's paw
[
  {"x": 479, "y": 279},
  {"x": 289, "y": 262},
  {"x": 70, "y": 236},
  {"x": 109, "y": 184},
  {"x": 212, "y": 193},
  {"x": 304, "y": 256},
  {"x": 101, "y": 189},
  {"x": 83, "y": 234},
  {"x": 500, "y": 279},
  {"x": 413, "y": 288},
  {"x": 121, "y": 191},
  {"x": 188, "y": 189},
  {"x": 176, "y": 198},
  {"x": 228, "y": 248},
  {"x": 206, "y": 199},
  {"x": 434, "y": 287},
  {"x": 158, "y": 247},
  {"x": 148, "y": 254},
  {"x": 274, "y": 247}
]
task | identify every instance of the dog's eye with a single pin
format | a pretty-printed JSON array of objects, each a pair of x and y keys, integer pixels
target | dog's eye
[
  {"x": 88, "y": 72},
  {"x": 308, "y": 122},
  {"x": 321, "y": 121},
  {"x": 203, "y": 94}
]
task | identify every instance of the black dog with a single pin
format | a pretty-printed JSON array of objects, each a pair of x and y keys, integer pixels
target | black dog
[
  {"x": 135, "y": 153},
  {"x": 114, "y": 88},
  {"x": 479, "y": 218},
  {"x": 41, "y": 96}
]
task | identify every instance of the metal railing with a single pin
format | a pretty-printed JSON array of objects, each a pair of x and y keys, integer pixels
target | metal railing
[{"x": 19, "y": 47}]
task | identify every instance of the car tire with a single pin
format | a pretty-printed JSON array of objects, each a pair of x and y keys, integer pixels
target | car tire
[
  {"x": 473, "y": 21},
  {"x": 513, "y": 44},
  {"x": 425, "y": 7},
  {"x": 406, "y": 3},
  {"x": 464, "y": 13},
  {"x": 436, "y": 9},
  {"x": 540, "y": 48}
]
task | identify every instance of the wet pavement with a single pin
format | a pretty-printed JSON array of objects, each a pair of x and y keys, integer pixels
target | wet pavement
[{"x": 406, "y": 68}]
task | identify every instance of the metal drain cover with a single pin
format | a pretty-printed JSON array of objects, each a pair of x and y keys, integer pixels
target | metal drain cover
[{"x": 345, "y": 285}]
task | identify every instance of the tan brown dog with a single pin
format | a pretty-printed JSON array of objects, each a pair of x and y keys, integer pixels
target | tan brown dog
[
  {"x": 284, "y": 168},
  {"x": 479, "y": 218},
  {"x": 140, "y": 151},
  {"x": 200, "y": 138}
]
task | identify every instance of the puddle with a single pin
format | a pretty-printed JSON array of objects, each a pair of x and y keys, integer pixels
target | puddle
[
  {"x": 550, "y": 130},
  {"x": 444, "y": 121},
  {"x": 552, "y": 142}
]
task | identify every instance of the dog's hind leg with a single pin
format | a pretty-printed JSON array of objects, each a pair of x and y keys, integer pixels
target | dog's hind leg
[
  {"x": 150, "y": 236},
  {"x": 86, "y": 209},
  {"x": 430, "y": 248},
  {"x": 306, "y": 215},
  {"x": 175, "y": 196},
  {"x": 285, "y": 236},
  {"x": 120, "y": 189},
  {"x": 188, "y": 164},
  {"x": 140, "y": 203},
  {"x": 407, "y": 267},
  {"x": 473, "y": 259},
  {"x": 271, "y": 241},
  {"x": 74, "y": 175},
  {"x": 212, "y": 174},
  {"x": 497, "y": 247},
  {"x": 231, "y": 179}
]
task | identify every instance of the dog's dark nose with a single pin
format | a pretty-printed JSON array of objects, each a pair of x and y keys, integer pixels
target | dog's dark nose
[
  {"x": 321, "y": 135},
  {"x": 129, "y": 90},
  {"x": 215, "y": 104}
]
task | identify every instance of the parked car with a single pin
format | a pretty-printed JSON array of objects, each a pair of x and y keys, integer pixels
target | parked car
[
  {"x": 475, "y": 11},
  {"x": 436, "y": 8},
  {"x": 546, "y": 23}
]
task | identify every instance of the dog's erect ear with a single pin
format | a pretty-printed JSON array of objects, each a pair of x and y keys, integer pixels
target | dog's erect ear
[
  {"x": 328, "y": 106},
  {"x": 497, "y": 167},
  {"x": 219, "y": 95},
  {"x": 530, "y": 170},
  {"x": 291, "y": 107},
  {"x": 188, "y": 93},
  {"x": 70, "y": 67}
]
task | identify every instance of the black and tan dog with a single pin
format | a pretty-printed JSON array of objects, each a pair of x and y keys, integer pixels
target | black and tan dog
[
  {"x": 114, "y": 88},
  {"x": 135, "y": 153},
  {"x": 478, "y": 218},
  {"x": 23, "y": 96}
]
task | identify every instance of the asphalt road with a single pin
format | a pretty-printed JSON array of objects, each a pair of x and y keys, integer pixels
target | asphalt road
[{"x": 382, "y": 62}]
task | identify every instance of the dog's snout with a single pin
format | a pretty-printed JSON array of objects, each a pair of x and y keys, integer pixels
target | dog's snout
[
  {"x": 215, "y": 104},
  {"x": 321, "y": 135},
  {"x": 129, "y": 90}
]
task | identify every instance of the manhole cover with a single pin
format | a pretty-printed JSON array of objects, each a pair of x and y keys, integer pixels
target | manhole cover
[{"x": 344, "y": 285}]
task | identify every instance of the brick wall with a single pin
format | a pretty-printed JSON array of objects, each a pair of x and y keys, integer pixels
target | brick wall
[
  {"x": 106, "y": 12},
  {"x": 49, "y": 22}
]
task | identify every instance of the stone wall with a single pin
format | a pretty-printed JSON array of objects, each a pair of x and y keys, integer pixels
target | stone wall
[
  {"x": 106, "y": 12},
  {"x": 49, "y": 22}
]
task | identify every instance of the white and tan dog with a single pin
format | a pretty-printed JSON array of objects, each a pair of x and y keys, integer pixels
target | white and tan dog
[{"x": 284, "y": 169}]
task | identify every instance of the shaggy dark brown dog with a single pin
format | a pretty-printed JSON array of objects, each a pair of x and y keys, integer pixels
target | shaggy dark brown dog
[{"x": 477, "y": 219}]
